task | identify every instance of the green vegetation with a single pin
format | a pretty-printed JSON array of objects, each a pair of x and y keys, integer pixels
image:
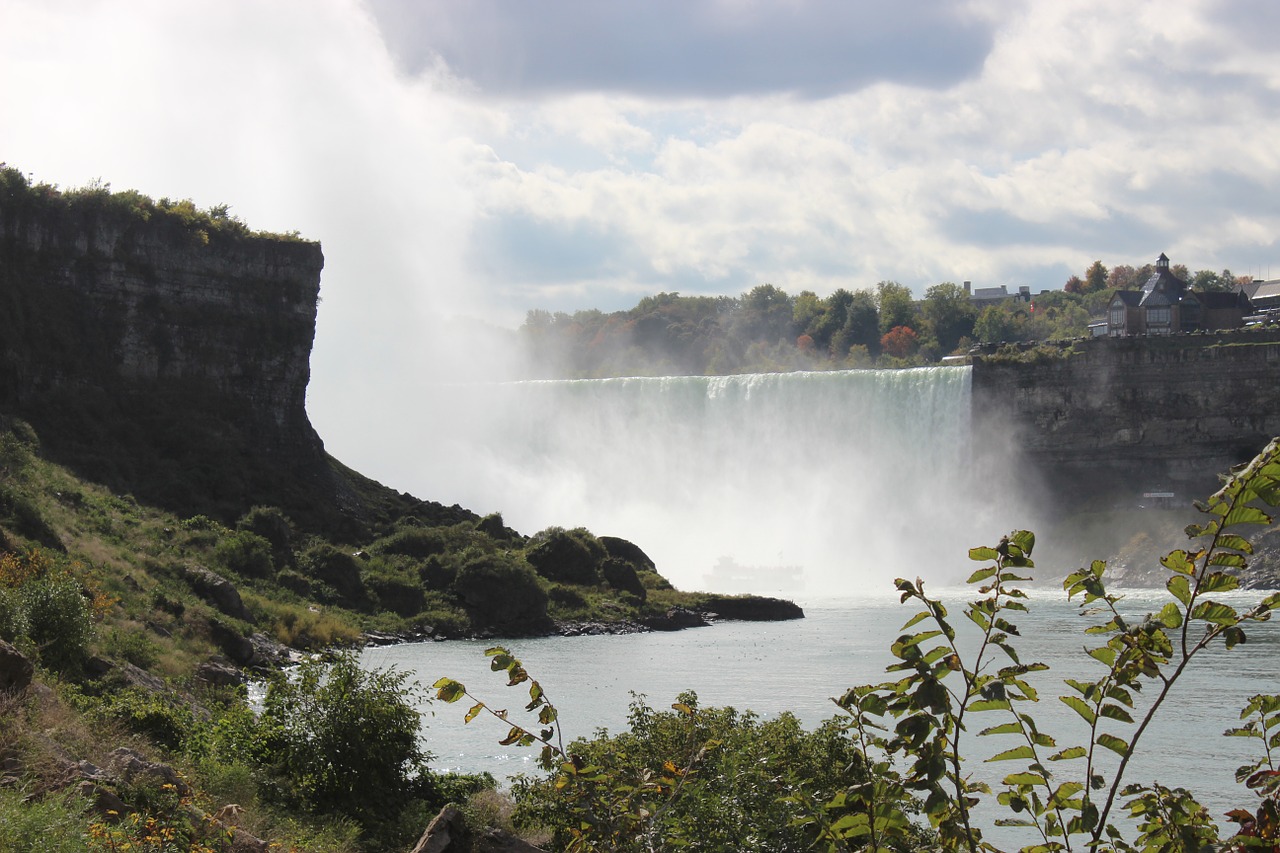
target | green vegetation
[
  {"x": 766, "y": 330},
  {"x": 17, "y": 191},
  {"x": 904, "y": 745},
  {"x": 122, "y": 607}
]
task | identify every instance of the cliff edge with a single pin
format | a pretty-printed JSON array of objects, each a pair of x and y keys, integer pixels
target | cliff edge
[{"x": 164, "y": 351}]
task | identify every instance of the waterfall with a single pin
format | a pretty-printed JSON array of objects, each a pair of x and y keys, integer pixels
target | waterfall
[{"x": 796, "y": 483}]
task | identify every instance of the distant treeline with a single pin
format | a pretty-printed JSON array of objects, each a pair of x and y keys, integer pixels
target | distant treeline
[{"x": 768, "y": 330}]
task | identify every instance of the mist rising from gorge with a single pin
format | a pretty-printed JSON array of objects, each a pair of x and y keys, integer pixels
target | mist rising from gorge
[{"x": 854, "y": 476}]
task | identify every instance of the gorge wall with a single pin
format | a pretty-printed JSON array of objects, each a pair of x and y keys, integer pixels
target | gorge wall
[
  {"x": 1119, "y": 417},
  {"x": 157, "y": 349}
]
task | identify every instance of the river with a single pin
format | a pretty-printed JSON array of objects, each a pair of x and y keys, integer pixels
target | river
[{"x": 798, "y": 666}]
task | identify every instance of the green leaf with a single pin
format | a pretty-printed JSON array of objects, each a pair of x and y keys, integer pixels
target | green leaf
[
  {"x": 1220, "y": 581},
  {"x": 1245, "y": 514},
  {"x": 981, "y": 574},
  {"x": 1179, "y": 561},
  {"x": 1002, "y": 729},
  {"x": 1170, "y": 616},
  {"x": 448, "y": 690},
  {"x": 1233, "y": 635},
  {"x": 980, "y": 554},
  {"x": 1069, "y": 753},
  {"x": 1024, "y": 539},
  {"x": 919, "y": 617},
  {"x": 1024, "y": 751},
  {"x": 1239, "y": 543},
  {"x": 1078, "y": 705},
  {"x": 1180, "y": 588},
  {"x": 475, "y": 710},
  {"x": 1218, "y": 614},
  {"x": 1024, "y": 777},
  {"x": 990, "y": 705},
  {"x": 1113, "y": 743},
  {"x": 1115, "y": 712}
]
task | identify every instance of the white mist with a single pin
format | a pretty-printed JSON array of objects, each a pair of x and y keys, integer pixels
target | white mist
[{"x": 854, "y": 476}]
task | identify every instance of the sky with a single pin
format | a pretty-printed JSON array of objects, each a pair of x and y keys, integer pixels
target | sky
[{"x": 465, "y": 162}]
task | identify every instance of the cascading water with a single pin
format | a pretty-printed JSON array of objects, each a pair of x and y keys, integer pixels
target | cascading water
[{"x": 850, "y": 476}]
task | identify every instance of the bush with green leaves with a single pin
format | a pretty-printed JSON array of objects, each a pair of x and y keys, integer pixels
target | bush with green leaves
[
  {"x": 742, "y": 781},
  {"x": 246, "y": 554},
  {"x": 566, "y": 556},
  {"x": 500, "y": 590},
  {"x": 274, "y": 526},
  {"x": 344, "y": 741}
]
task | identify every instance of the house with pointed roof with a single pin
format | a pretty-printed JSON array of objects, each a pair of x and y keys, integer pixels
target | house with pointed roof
[{"x": 1166, "y": 306}]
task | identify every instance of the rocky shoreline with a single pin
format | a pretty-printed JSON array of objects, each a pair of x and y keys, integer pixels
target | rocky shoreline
[{"x": 714, "y": 609}]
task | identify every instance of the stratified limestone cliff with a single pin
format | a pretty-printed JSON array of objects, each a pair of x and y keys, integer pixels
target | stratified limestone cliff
[
  {"x": 164, "y": 351},
  {"x": 1122, "y": 417}
]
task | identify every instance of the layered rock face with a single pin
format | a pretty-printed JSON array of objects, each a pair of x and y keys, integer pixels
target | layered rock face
[
  {"x": 1126, "y": 416},
  {"x": 185, "y": 346}
]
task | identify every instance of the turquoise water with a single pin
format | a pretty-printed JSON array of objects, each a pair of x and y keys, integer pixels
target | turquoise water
[{"x": 798, "y": 666}]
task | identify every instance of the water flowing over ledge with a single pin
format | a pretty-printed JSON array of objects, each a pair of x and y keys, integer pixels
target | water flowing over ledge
[{"x": 848, "y": 475}]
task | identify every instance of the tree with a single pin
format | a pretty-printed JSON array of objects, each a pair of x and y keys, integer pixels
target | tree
[
  {"x": 861, "y": 326},
  {"x": 764, "y": 314},
  {"x": 1095, "y": 278},
  {"x": 344, "y": 741},
  {"x": 1123, "y": 277},
  {"x": 1075, "y": 284},
  {"x": 900, "y": 342},
  {"x": 995, "y": 324},
  {"x": 896, "y": 306},
  {"x": 950, "y": 313}
]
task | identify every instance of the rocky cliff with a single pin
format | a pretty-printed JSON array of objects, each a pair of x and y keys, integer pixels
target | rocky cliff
[
  {"x": 1120, "y": 417},
  {"x": 162, "y": 350}
]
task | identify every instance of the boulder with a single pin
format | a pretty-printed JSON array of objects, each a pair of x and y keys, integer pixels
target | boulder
[
  {"x": 127, "y": 765},
  {"x": 676, "y": 619},
  {"x": 102, "y": 801},
  {"x": 16, "y": 670},
  {"x": 136, "y": 676},
  {"x": 217, "y": 590},
  {"x": 448, "y": 833},
  {"x": 235, "y": 645},
  {"x": 219, "y": 672}
]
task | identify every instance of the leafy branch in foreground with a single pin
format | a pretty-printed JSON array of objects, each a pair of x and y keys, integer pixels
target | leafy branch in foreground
[
  {"x": 922, "y": 716},
  {"x": 549, "y": 735}
]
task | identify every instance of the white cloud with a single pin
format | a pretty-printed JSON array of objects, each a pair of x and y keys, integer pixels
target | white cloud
[{"x": 1048, "y": 135}]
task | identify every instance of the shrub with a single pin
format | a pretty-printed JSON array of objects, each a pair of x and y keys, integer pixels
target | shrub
[
  {"x": 247, "y": 554},
  {"x": 499, "y": 590},
  {"x": 274, "y": 526},
  {"x": 136, "y": 647},
  {"x": 567, "y": 597},
  {"x": 564, "y": 557},
  {"x": 335, "y": 567},
  {"x": 320, "y": 725},
  {"x": 435, "y": 574},
  {"x": 23, "y": 517},
  {"x": 418, "y": 542},
  {"x": 59, "y": 619},
  {"x": 165, "y": 720}
]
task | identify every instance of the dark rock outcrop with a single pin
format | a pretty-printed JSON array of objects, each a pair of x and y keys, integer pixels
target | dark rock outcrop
[
  {"x": 15, "y": 669},
  {"x": 1122, "y": 416},
  {"x": 449, "y": 833},
  {"x": 676, "y": 619},
  {"x": 217, "y": 590},
  {"x": 750, "y": 608}
]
